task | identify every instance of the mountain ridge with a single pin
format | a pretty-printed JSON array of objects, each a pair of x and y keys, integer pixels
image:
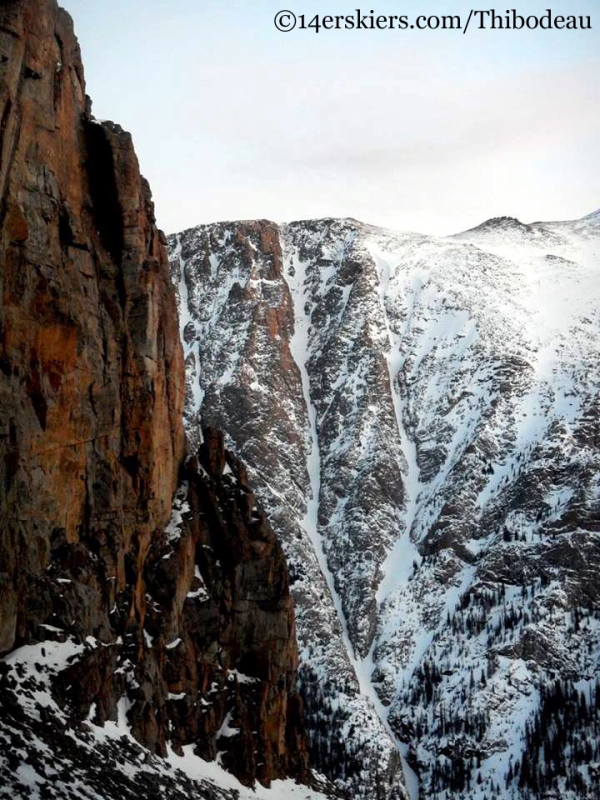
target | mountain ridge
[
  {"x": 440, "y": 376},
  {"x": 593, "y": 216}
]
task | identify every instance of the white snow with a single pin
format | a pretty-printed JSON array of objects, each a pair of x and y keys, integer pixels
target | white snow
[{"x": 397, "y": 568}]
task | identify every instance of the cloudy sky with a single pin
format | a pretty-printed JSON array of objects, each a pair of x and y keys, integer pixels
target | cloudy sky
[{"x": 432, "y": 131}]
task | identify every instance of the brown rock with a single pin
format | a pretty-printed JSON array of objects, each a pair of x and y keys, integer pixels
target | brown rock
[
  {"x": 92, "y": 384},
  {"x": 194, "y": 622}
]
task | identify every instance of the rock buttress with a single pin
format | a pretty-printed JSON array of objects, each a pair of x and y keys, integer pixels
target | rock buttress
[
  {"x": 91, "y": 393},
  {"x": 191, "y": 623}
]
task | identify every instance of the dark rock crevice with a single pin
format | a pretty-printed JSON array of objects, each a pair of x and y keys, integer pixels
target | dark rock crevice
[{"x": 108, "y": 214}]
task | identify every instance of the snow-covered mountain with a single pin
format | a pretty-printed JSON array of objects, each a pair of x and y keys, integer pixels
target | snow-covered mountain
[{"x": 421, "y": 418}]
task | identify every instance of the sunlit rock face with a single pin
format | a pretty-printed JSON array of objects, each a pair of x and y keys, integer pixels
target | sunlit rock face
[
  {"x": 144, "y": 598},
  {"x": 420, "y": 415},
  {"x": 92, "y": 385}
]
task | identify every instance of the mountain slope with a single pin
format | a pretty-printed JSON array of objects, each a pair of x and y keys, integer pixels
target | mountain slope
[{"x": 421, "y": 417}]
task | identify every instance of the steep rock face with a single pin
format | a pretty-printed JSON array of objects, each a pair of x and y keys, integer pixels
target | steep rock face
[
  {"x": 91, "y": 391},
  {"x": 448, "y": 416},
  {"x": 142, "y": 594}
]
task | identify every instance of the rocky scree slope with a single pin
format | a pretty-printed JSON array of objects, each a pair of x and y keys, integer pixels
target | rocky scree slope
[
  {"x": 421, "y": 417},
  {"x": 144, "y": 602}
]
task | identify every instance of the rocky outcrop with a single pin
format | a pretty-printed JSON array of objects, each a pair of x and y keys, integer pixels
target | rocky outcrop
[
  {"x": 153, "y": 580},
  {"x": 223, "y": 620}
]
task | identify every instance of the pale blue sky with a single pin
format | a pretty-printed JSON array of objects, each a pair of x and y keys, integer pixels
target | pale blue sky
[{"x": 425, "y": 130}]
